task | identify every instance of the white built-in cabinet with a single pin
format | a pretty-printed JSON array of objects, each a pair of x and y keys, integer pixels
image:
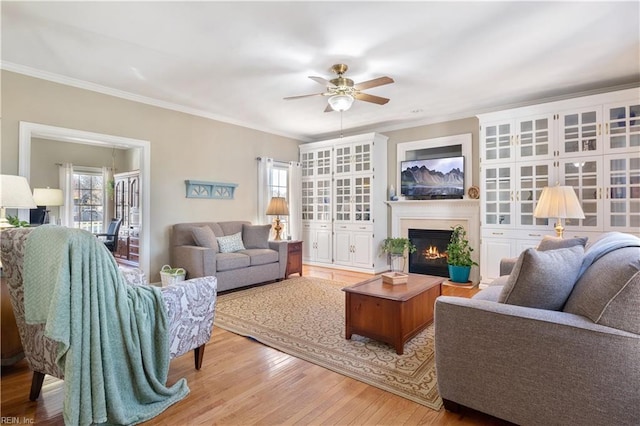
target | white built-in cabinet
[
  {"x": 591, "y": 143},
  {"x": 343, "y": 193}
]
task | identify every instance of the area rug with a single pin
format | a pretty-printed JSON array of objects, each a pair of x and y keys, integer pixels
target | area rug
[{"x": 304, "y": 317}]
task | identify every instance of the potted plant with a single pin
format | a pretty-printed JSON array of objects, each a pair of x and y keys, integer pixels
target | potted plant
[
  {"x": 398, "y": 248},
  {"x": 459, "y": 255}
]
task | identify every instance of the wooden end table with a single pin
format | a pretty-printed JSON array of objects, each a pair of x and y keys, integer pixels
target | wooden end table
[
  {"x": 294, "y": 258},
  {"x": 389, "y": 313}
]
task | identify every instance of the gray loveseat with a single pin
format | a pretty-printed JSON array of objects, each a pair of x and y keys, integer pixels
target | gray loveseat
[
  {"x": 578, "y": 363},
  {"x": 196, "y": 248}
]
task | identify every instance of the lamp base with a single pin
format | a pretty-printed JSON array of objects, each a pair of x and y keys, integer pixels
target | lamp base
[
  {"x": 278, "y": 229},
  {"x": 559, "y": 229}
]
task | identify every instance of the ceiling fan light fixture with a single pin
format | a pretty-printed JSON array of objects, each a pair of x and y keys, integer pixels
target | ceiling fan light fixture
[{"x": 341, "y": 102}]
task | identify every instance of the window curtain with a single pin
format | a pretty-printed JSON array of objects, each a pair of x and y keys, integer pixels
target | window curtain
[
  {"x": 107, "y": 198},
  {"x": 66, "y": 184},
  {"x": 295, "y": 200},
  {"x": 265, "y": 166}
]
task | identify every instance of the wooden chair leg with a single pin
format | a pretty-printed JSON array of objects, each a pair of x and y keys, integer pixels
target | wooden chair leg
[
  {"x": 198, "y": 355},
  {"x": 36, "y": 385}
]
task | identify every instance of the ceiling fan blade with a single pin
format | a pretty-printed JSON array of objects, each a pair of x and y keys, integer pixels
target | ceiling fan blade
[
  {"x": 328, "y": 109},
  {"x": 371, "y": 98},
  {"x": 303, "y": 96},
  {"x": 373, "y": 83},
  {"x": 322, "y": 81}
]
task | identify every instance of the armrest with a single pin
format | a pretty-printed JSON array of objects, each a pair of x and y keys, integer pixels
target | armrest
[
  {"x": 507, "y": 264},
  {"x": 133, "y": 275},
  {"x": 190, "y": 313},
  {"x": 197, "y": 261},
  {"x": 282, "y": 248},
  {"x": 526, "y": 365}
]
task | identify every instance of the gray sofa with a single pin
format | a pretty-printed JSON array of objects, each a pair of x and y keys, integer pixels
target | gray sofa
[
  {"x": 578, "y": 363},
  {"x": 197, "y": 248}
]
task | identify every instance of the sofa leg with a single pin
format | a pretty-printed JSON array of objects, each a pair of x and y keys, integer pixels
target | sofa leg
[
  {"x": 198, "y": 355},
  {"x": 36, "y": 385},
  {"x": 454, "y": 407}
]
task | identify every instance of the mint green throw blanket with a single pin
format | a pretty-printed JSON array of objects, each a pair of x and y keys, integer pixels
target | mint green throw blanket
[{"x": 113, "y": 338}]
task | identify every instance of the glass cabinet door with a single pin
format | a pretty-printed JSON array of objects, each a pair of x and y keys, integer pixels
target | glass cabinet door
[
  {"x": 342, "y": 199},
  {"x": 580, "y": 132},
  {"x": 534, "y": 139},
  {"x": 532, "y": 178},
  {"x": 323, "y": 162},
  {"x": 583, "y": 174},
  {"x": 323, "y": 200},
  {"x": 498, "y": 140},
  {"x": 362, "y": 158},
  {"x": 362, "y": 199},
  {"x": 308, "y": 196},
  {"x": 498, "y": 193},
  {"x": 622, "y": 193},
  {"x": 308, "y": 164},
  {"x": 622, "y": 128},
  {"x": 343, "y": 159}
]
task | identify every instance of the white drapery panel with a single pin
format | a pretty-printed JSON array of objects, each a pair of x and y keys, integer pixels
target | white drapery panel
[
  {"x": 66, "y": 184},
  {"x": 295, "y": 200},
  {"x": 265, "y": 165}
]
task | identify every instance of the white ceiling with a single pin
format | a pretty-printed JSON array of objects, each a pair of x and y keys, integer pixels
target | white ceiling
[{"x": 236, "y": 61}]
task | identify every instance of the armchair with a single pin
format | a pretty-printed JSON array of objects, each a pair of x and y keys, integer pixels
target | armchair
[
  {"x": 190, "y": 307},
  {"x": 110, "y": 238}
]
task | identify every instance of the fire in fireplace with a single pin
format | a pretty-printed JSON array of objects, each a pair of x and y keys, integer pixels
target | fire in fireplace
[{"x": 430, "y": 257}]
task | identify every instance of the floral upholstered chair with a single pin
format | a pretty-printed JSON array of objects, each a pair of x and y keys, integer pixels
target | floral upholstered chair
[{"x": 190, "y": 307}]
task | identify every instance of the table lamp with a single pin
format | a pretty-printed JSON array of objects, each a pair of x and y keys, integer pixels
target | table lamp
[
  {"x": 558, "y": 202},
  {"x": 277, "y": 206},
  {"x": 48, "y": 197},
  {"x": 14, "y": 194}
]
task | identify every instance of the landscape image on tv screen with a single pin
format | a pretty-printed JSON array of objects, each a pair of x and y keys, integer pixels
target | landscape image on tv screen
[{"x": 433, "y": 178}]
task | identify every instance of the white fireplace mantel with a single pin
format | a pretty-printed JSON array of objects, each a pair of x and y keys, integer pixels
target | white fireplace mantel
[{"x": 438, "y": 214}]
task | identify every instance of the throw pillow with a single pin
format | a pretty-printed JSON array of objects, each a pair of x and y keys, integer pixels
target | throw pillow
[
  {"x": 554, "y": 243},
  {"x": 608, "y": 293},
  {"x": 543, "y": 279},
  {"x": 204, "y": 237},
  {"x": 231, "y": 243},
  {"x": 256, "y": 236}
]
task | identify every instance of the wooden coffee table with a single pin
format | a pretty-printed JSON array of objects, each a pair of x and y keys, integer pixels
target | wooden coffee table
[{"x": 391, "y": 313}]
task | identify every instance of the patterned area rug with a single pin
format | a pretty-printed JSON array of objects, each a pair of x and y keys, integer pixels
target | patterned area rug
[{"x": 304, "y": 317}]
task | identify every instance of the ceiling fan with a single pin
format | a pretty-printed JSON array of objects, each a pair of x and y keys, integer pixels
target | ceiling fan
[{"x": 343, "y": 91}]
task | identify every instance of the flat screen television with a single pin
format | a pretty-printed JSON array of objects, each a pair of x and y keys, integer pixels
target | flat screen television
[{"x": 434, "y": 178}]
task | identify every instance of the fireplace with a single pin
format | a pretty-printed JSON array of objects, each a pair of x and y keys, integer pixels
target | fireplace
[{"x": 430, "y": 257}]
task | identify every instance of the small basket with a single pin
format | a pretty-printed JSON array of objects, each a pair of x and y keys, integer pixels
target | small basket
[
  {"x": 395, "y": 278},
  {"x": 171, "y": 275}
]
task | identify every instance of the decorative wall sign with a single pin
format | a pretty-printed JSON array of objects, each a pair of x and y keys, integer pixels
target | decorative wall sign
[{"x": 216, "y": 190}]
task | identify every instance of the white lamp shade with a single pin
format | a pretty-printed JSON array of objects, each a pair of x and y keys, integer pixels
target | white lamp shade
[
  {"x": 15, "y": 193},
  {"x": 278, "y": 206},
  {"x": 341, "y": 102},
  {"x": 48, "y": 197},
  {"x": 559, "y": 202}
]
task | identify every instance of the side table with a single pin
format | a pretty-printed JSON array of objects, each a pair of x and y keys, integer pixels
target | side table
[{"x": 294, "y": 258}]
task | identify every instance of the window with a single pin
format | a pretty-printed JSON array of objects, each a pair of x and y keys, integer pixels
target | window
[
  {"x": 278, "y": 187},
  {"x": 87, "y": 200}
]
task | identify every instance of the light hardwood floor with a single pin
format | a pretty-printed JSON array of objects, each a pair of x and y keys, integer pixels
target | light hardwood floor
[{"x": 243, "y": 382}]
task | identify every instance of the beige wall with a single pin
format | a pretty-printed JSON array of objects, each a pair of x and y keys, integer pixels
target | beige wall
[{"x": 183, "y": 147}]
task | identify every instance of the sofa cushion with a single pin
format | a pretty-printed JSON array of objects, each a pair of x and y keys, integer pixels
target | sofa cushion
[
  {"x": 553, "y": 243},
  {"x": 261, "y": 256},
  {"x": 543, "y": 279},
  {"x": 204, "y": 237},
  {"x": 256, "y": 236},
  {"x": 608, "y": 293},
  {"x": 229, "y": 261},
  {"x": 231, "y": 243}
]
